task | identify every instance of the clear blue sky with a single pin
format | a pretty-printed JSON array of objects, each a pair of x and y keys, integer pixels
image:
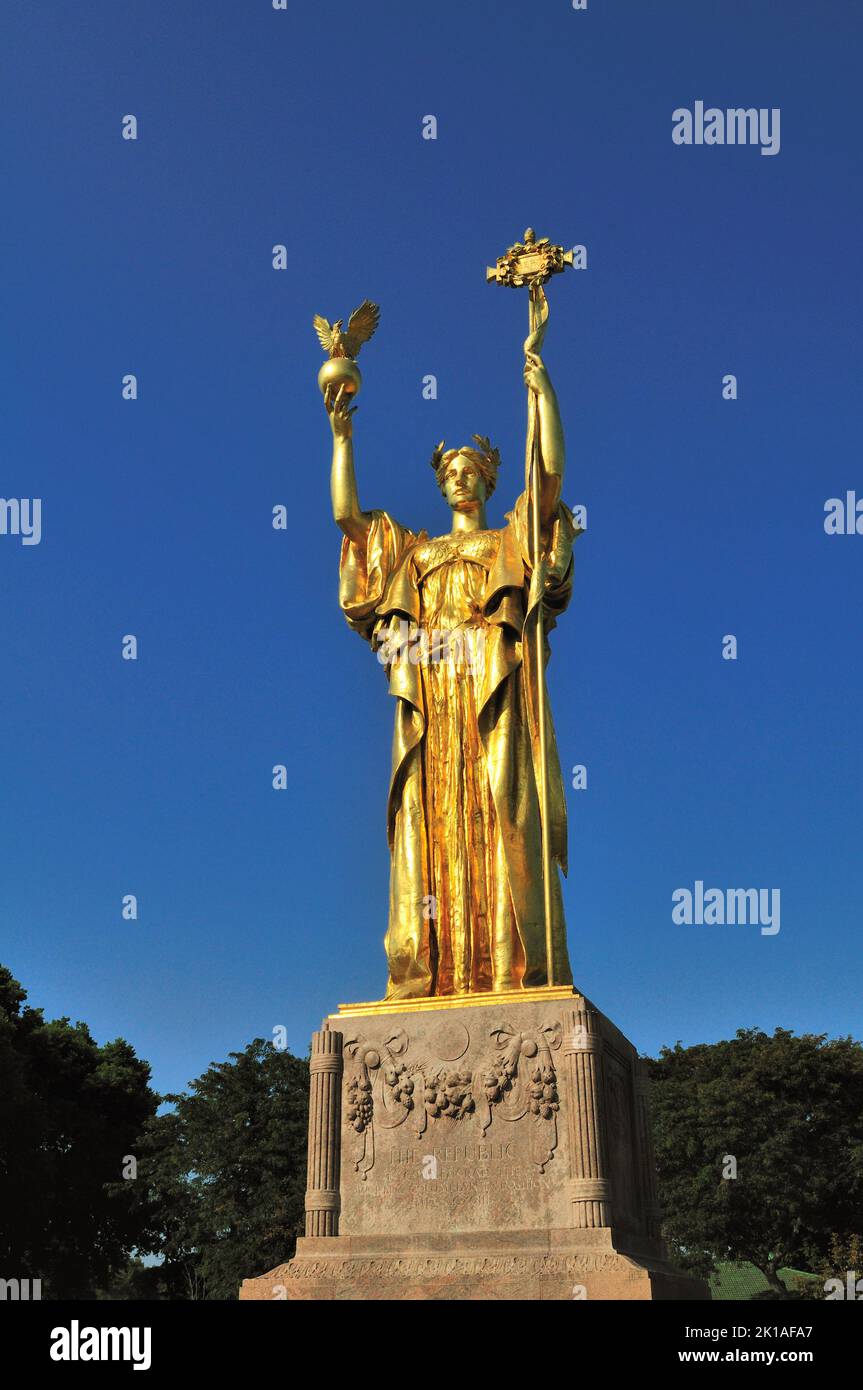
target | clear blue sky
[{"x": 260, "y": 908}]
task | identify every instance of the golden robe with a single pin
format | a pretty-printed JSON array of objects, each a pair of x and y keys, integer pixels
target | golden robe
[{"x": 454, "y": 622}]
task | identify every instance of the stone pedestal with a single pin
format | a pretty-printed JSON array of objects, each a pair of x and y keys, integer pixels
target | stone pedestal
[{"x": 496, "y": 1149}]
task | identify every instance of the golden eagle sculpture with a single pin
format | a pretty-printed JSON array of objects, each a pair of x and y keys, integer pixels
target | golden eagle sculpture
[
  {"x": 361, "y": 325},
  {"x": 340, "y": 372}
]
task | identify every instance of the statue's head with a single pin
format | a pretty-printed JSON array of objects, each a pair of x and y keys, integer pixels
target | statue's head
[{"x": 466, "y": 476}]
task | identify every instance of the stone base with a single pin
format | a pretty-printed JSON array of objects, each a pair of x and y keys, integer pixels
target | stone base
[
  {"x": 483, "y": 1266},
  {"x": 495, "y": 1147}
]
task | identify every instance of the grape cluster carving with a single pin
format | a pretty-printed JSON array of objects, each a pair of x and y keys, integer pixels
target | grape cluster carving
[
  {"x": 359, "y": 1111},
  {"x": 400, "y": 1084},
  {"x": 544, "y": 1099},
  {"x": 499, "y": 1080},
  {"x": 449, "y": 1094}
]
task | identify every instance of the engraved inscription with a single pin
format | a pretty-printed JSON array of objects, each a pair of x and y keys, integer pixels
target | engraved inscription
[{"x": 431, "y": 1267}]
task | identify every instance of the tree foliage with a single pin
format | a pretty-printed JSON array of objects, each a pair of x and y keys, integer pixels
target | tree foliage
[
  {"x": 223, "y": 1173},
  {"x": 218, "y": 1191},
  {"x": 789, "y": 1111},
  {"x": 70, "y": 1113}
]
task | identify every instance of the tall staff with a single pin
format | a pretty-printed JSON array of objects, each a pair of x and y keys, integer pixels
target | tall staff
[{"x": 532, "y": 263}]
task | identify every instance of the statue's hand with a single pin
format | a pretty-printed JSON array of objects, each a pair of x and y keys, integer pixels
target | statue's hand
[
  {"x": 340, "y": 411},
  {"x": 536, "y": 377}
]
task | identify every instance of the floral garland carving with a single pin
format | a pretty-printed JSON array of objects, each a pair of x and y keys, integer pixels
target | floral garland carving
[{"x": 519, "y": 1080}]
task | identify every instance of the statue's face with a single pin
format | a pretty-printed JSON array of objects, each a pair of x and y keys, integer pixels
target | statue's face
[{"x": 463, "y": 486}]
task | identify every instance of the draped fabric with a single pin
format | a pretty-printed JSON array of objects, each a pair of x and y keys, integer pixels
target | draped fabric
[{"x": 453, "y": 621}]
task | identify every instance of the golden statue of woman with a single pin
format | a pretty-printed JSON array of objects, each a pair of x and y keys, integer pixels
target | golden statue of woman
[{"x": 453, "y": 618}]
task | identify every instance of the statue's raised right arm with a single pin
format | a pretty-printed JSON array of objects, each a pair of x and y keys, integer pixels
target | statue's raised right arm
[{"x": 347, "y": 513}]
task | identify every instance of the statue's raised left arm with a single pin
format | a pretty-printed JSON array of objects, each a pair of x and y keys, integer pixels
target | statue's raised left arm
[
  {"x": 347, "y": 512},
  {"x": 552, "y": 453}
]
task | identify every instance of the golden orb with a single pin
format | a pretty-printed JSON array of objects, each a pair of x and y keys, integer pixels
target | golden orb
[{"x": 338, "y": 372}]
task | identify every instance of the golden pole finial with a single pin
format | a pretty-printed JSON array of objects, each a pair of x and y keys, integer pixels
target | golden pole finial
[{"x": 532, "y": 262}]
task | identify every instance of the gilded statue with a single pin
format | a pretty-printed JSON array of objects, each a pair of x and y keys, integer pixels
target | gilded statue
[{"x": 476, "y": 815}]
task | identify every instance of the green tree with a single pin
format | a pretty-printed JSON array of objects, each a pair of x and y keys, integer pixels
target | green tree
[
  {"x": 844, "y": 1257},
  {"x": 223, "y": 1173},
  {"x": 70, "y": 1115},
  {"x": 789, "y": 1111},
  {"x": 138, "y": 1282}
]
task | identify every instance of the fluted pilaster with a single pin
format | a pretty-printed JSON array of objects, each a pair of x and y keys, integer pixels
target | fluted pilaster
[
  {"x": 325, "y": 1105},
  {"x": 590, "y": 1183}
]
